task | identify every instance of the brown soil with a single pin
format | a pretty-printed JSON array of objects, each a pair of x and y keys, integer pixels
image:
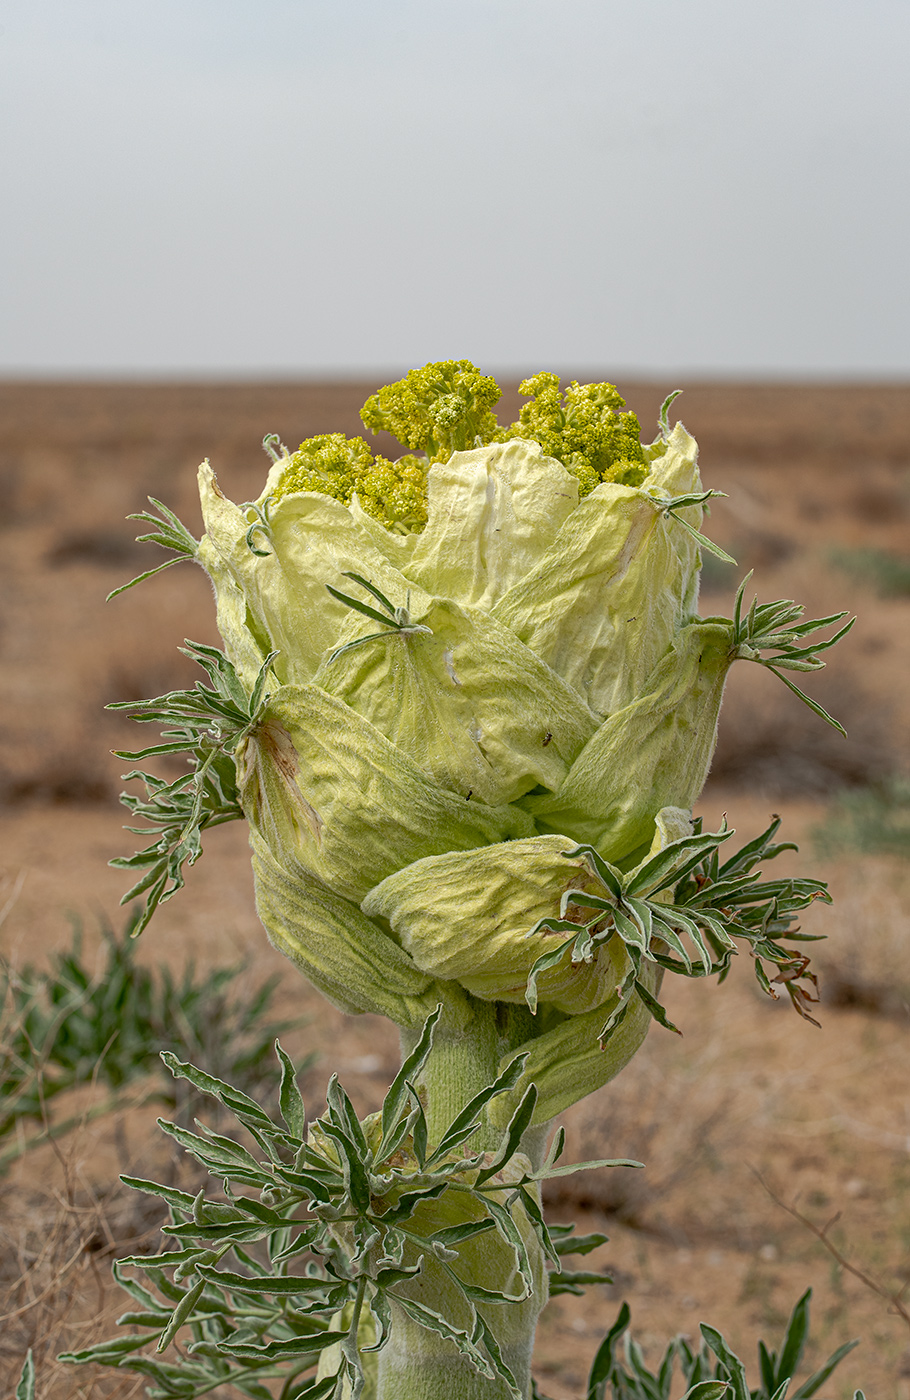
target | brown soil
[{"x": 822, "y": 1116}]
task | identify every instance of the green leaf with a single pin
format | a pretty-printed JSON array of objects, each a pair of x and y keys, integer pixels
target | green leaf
[
  {"x": 406, "y": 1127},
  {"x": 233, "y": 1099},
  {"x": 518, "y": 1125},
  {"x": 363, "y": 608},
  {"x": 794, "y": 1339},
  {"x": 663, "y": 421},
  {"x": 577, "y": 1244},
  {"x": 171, "y": 1259},
  {"x": 356, "y": 1178},
  {"x": 702, "y": 540},
  {"x": 221, "y": 1160},
  {"x": 508, "y": 1229},
  {"x": 548, "y": 959},
  {"x": 669, "y": 866},
  {"x": 132, "y": 1286},
  {"x": 663, "y": 931},
  {"x": 485, "y": 1335},
  {"x": 557, "y": 1148},
  {"x": 169, "y": 533},
  {"x": 109, "y": 1353},
  {"x": 807, "y": 700},
  {"x": 382, "y": 1315},
  {"x": 621, "y": 1009},
  {"x": 385, "y": 1278},
  {"x": 25, "y": 1390},
  {"x": 640, "y": 914},
  {"x": 180, "y": 1315},
  {"x": 291, "y": 1349},
  {"x": 469, "y": 1119},
  {"x": 281, "y": 1285},
  {"x": 140, "y": 578},
  {"x": 655, "y": 1007},
  {"x": 380, "y": 597},
  {"x": 408, "y": 1201},
  {"x": 317, "y": 1390},
  {"x": 605, "y": 872},
  {"x": 767, "y": 1361},
  {"x": 602, "y": 1364},
  {"x": 475, "y": 1293},
  {"x": 396, "y": 1100},
  {"x": 630, "y": 933},
  {"x": 182, "y": 1200},
  {"x": 531, "y": 1202},
  {"x": 454, "y": 1234},
  {"x": 341, "y": 1112},
  {"x": 728, "y": 1359},
  {"x": 708, "y": 1390},
  {"x": 575, "y": 1282},
  {"x": 435, "y": 1322},
  {"x": 817, "y": 1380},
  {"x": 154, "y": 1320},
  {"x": 419, "y": 1129},
  {"x": 290, "y": 1100},
  {"x": 758, "y": 849},
  {"x": 590, "y": 1166}
]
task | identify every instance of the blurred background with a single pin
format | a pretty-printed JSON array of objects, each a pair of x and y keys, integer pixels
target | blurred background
[
  {"x": 228, "y": 219},
  {"x": 291, "y": 187}
]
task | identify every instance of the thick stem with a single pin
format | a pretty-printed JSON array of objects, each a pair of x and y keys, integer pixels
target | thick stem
[{"x": 417, "y": 1363}]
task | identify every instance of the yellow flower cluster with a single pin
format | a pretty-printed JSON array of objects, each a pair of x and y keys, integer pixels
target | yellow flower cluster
[
  {"x": 584, "y": 429},
  {"x": 446, "y": 408},
  {"x": 394, "y": 493}
]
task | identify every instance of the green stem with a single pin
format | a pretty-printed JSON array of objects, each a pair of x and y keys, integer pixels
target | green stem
[{"x": 417, "y": 1363}]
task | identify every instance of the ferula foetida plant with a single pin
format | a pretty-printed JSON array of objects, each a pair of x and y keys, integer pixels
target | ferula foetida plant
[{"x": 465, "y": 704}]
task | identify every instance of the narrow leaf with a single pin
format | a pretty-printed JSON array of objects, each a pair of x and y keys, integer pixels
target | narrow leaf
[
  {"x": 180, "y": 1314},
  {"x": 807, "y": 700},
  {"x": 396, "y": 1100},
  {"x": 290, "y": 1100},
  {"x": 794, "y": 1339},
  {"x": 140, "y": 578},
  {"x": 518, "y": 1125},
  {"x": 602, "y": 1364},
  {"x": 817, "y": 1380},
  {"x": 655, "y": 1007},
  {"x": 728, "y": 1358},
  {"x": 508, "y": 1228},
  {"x": 464, "y": 1123},
  {"x": 435, "y": 1322},
  {"x": 483, "y": 1333},
  {"x": 25, "y": 1390}
]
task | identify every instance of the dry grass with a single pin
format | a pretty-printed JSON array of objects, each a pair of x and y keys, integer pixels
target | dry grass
[
  {"x": 628, "y": 1119},
  {"x": 56, "y": 1289},
  {"x": 866, "y": 963}
]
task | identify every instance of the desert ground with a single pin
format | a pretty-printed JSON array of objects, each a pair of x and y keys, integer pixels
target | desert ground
[{"x": 750, "y": 1111}]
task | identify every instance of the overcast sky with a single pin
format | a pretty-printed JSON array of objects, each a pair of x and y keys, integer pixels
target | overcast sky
[{"x": 285, "y": 187}]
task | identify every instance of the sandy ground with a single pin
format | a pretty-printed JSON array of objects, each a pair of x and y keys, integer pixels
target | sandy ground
[{"x": 750, "y": 1094}]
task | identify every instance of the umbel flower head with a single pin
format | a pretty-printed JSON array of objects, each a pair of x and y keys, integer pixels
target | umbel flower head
[{"x": 476, "y": 705}]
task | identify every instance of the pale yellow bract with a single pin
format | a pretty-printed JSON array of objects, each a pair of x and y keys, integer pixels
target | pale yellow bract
[{"x": 547, "y": 682}]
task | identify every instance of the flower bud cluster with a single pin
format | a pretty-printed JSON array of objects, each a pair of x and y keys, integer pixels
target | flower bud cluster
[{"x": 412, "y": 790}]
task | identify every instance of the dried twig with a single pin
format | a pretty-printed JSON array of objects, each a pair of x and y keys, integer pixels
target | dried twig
[{"x": 894, "y": 1297}]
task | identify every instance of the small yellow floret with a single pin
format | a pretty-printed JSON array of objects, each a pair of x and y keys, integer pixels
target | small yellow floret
[
  {"x": 584, "y": 429},
  {"x": 394, "y": 493},
  {"x": 447, "y": 407},
  {"x": 442, "y": 408}
]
